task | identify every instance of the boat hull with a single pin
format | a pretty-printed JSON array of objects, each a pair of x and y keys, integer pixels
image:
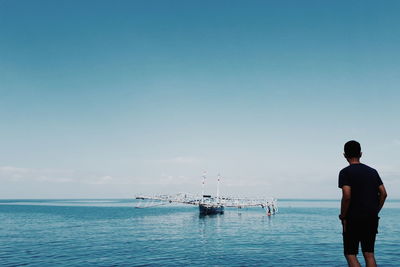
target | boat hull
[{"x": 211, "y": 209}]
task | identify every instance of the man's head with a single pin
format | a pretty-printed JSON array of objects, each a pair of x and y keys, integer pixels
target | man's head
[{"x": 352, "y": 149}]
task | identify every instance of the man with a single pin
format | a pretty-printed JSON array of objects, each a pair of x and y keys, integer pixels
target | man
[{"x": 363, "y": 196}]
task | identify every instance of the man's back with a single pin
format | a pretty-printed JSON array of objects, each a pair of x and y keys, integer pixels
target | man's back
[
  {"x": 364, "y": 182},
  {"x": 363, "y": 196}
]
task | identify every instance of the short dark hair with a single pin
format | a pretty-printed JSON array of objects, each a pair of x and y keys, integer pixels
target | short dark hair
[{"x": 352, "y": 149}]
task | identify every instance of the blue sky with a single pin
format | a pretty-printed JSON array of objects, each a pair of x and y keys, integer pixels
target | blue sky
[{"x": 115, "y": 98}]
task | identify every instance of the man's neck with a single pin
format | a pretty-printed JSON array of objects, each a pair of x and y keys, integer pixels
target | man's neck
[{"x": 354, "y": 161}]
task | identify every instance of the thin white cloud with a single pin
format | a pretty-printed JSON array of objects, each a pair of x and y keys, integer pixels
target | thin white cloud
[
  {"x": 10, "y": 170},
  {"x": 41, "y": 175},
  {"x": 18, "y": 174},
  {"x": 99, "y": 180}
]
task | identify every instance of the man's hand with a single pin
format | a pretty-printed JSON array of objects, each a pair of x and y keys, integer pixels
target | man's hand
[
  {"x": 344, "y": 224},
  {"x": 382, "y": 196},
  {"x": 346, "y": 198}
]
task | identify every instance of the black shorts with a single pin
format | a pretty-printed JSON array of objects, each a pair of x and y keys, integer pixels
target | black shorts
[{"x": 360, "y": 230}]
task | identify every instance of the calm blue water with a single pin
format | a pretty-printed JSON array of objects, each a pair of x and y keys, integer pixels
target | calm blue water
[{"x": 114, "y": 233}]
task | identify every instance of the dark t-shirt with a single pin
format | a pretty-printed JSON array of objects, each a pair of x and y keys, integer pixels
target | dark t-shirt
[{"x": 364, "y": 182}]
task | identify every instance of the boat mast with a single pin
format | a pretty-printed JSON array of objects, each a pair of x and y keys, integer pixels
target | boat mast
[
  {"x": 219, "y": 177},
  {"x": 204, "y": 181}
]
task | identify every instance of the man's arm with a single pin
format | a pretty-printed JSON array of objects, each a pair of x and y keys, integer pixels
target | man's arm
[
  {"x": 382, "y": 196},
  {"x": 346, "y": 197}
]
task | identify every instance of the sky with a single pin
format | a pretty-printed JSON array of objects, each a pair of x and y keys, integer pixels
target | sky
[{"x": 110, "y": 99}]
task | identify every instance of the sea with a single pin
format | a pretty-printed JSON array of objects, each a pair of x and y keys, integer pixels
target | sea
[{"x": 113, "y": 232}]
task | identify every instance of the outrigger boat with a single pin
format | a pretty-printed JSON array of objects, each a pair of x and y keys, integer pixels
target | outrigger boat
[{"x": 209, "y": 205}]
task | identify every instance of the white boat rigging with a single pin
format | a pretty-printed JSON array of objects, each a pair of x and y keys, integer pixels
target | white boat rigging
[{"x": 208, "y": 204}]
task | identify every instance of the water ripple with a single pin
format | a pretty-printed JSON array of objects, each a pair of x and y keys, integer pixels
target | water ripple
[{"x": 77, "y": 234}]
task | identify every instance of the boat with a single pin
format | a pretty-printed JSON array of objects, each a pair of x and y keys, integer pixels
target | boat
[
  {"x": 210, "y": 206},
  {"x": 206, "y": 209}
]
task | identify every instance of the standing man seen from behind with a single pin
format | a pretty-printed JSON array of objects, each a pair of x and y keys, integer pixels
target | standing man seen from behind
[{"x": 363, "y": 196}]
